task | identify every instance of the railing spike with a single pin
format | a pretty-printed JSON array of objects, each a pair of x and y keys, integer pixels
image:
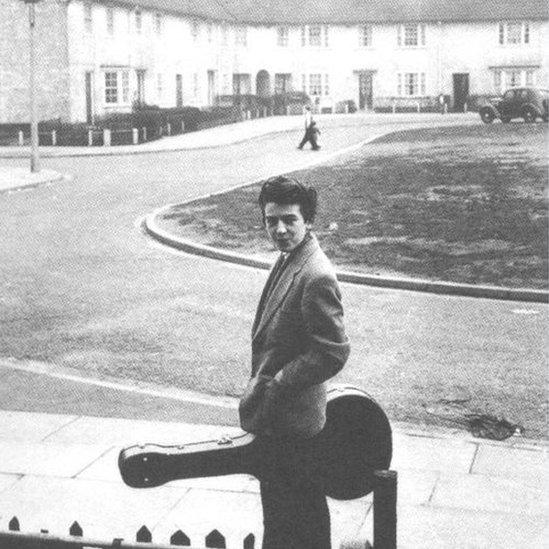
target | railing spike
[
  {"x": 249, "y": 542},
  {"x": 215, "y": 539},
  {"x": 76, "y": 530},
  {"x": 180, "y": 538},
  {"x": 13, "y": 525},
  {"x": 143, "y": 535}
]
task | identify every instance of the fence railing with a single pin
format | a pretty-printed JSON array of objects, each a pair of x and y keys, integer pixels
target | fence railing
[
  {"x": 384, "y": 530},
  {"x": 13, "y": 538}
]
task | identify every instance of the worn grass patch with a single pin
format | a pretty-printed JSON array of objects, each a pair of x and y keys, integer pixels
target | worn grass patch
[{"x": 462, "y": 204}]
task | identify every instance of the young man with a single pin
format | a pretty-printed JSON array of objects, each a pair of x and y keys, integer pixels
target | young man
[{"x": 298, "y": 343}]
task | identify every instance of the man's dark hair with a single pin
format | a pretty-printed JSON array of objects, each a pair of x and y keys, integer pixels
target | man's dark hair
[{"x": 285, "y": 190}]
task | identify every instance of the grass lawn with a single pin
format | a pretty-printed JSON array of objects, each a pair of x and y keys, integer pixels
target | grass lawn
[{"x": 464, "y": 204}]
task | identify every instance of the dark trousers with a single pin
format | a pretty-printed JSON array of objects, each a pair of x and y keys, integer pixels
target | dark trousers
[
  {"x": 306, "y": 138},
  {"x": 295, "y": 510}
]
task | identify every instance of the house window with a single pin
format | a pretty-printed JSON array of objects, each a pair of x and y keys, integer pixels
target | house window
[
  {"x": 315, "y": 84},
  {"x": 303, "y": 36},
  {"x": 241, "y": 36},
  {"x": 111, "y": 87},
  {"x": 514, "y": 77},
  {"x": 138, "y": 21},
  {"x": 411, "y": 36},
  {"x": 117, "y": 87},
  {"x": 283, "y": 83},
  {"x": 304, "y": 83},
  {"x": 195, "y": 85},
  {"x": 282, "y": 37},
  {"x": 224, "y": 34},
  {"x": 88, "y": 22},
  {"x": 326, "y": 35},
  {"x": 158, "y": 23},
  {"x": 242, "y": 84},
  {"x": 411, "y": 84},
  {"x": 314, "y": 36},
  {"x": 514, "y": 33},
  {"x": 209, "y": 32},
  {"x": 194, "y": 29},
  {"x": 326, "y": 84},
  {"x": 365, "y": 36},
  {"x": 110, "y": 21}
]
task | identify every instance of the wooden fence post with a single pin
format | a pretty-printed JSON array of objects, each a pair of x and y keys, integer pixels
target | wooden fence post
[
  {"x": 135, "y": 136},
  {"x": 21, "y": 138},
  {"x": 385, "y": 502},
  {"x": 53, "y": 138},
  {"x": 168, "y": 128},
  {"x": 106, "y": 137},
  {"x": 90, "y": 138}
]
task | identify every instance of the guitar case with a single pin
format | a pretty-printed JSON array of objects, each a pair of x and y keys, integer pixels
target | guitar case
[{"x": 355, "y": 442}]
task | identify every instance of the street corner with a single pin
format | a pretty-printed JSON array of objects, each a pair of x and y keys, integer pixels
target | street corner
[{"x": 19, "y": 178}]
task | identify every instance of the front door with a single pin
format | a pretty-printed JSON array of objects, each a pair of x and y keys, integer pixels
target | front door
[
  {"x": 89, "y": 100},
  {"x": 461, "y": 91},
  {"x": 365, "y": 95}
]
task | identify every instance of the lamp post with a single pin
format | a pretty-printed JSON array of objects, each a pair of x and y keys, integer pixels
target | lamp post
[{"x": 34, "y": 160}]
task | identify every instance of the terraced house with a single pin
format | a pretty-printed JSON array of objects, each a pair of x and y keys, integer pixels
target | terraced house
[{"x": 101, "y": 56}]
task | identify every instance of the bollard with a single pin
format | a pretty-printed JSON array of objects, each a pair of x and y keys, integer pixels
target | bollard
[
  {"x": 21, "y": 139},
  {"x": 90, "y": 138},
  {"x": 385, "y": 507},
  {"x": 106, "y": 137},
  {"x": 53, "y": 138},
  {"x": 135, "y": 136}
]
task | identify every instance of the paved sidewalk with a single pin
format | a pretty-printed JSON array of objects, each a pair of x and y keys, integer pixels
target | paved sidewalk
[
  {"x": 243, "y": 131},
  {"x": 453, "y": 491},
  {"x": 17, "y": 178}
]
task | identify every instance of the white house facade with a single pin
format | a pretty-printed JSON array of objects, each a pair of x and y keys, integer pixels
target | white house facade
[{"x": 109, "y": 54}]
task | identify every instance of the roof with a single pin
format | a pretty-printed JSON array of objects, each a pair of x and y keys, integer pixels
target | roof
[{"x": 299, "y": 12}]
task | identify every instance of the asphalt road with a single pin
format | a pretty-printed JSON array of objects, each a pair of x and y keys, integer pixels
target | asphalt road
[{"x": 82, "y": 288}]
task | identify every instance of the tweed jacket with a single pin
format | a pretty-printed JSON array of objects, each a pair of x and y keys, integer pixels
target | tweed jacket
[{"x": 298, "y": 342}]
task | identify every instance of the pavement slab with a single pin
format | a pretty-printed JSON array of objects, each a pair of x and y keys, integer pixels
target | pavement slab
[
  {"x": 495, "y": 494},
  {"x": 528, "y": 464},
  {"x": 430, "y": 454},
  {"x": 22, "y": 426}
]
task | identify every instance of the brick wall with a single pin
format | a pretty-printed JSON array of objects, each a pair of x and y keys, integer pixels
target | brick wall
[{"x": 52, "y": 74}]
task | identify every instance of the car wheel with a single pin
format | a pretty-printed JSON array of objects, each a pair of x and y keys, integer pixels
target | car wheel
[
  {"x": 529, "y": 116},
  {"x": 505, "y": 119},
  {"x": 487, "y": 116}
]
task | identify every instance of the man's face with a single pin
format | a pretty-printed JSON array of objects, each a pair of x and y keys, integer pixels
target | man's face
[{"x": 285, "y": 225}]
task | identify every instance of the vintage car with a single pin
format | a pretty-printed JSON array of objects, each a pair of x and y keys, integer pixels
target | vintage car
[{"x": 527, "y": 103}]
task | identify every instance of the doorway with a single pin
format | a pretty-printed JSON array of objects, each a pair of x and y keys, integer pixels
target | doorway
[
  {"x": 461, "y": 91},
  {"x": 365, "y": 90}
]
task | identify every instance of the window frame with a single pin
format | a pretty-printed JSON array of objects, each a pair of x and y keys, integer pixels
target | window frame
[
  {"x": 365, "y": 35},
  {"x": 282, "y": 36},
  {"x": 403, "y": 38},
  {"x": 524, "y": 33},
  {"x": 413, "y": 82}
]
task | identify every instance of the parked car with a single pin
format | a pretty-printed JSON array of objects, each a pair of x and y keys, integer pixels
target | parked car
[{"x": 527, "y": 103}]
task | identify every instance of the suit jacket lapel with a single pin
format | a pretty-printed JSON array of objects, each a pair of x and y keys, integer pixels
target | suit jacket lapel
[{"x": 269, "y": 304}]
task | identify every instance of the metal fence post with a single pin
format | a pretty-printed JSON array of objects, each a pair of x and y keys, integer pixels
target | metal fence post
[{"x": 385, "y": 516}]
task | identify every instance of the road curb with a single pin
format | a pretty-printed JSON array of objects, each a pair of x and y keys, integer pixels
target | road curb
[
  {"x": 23, "y": 179},
  {"x": 417, "y": 285}
]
